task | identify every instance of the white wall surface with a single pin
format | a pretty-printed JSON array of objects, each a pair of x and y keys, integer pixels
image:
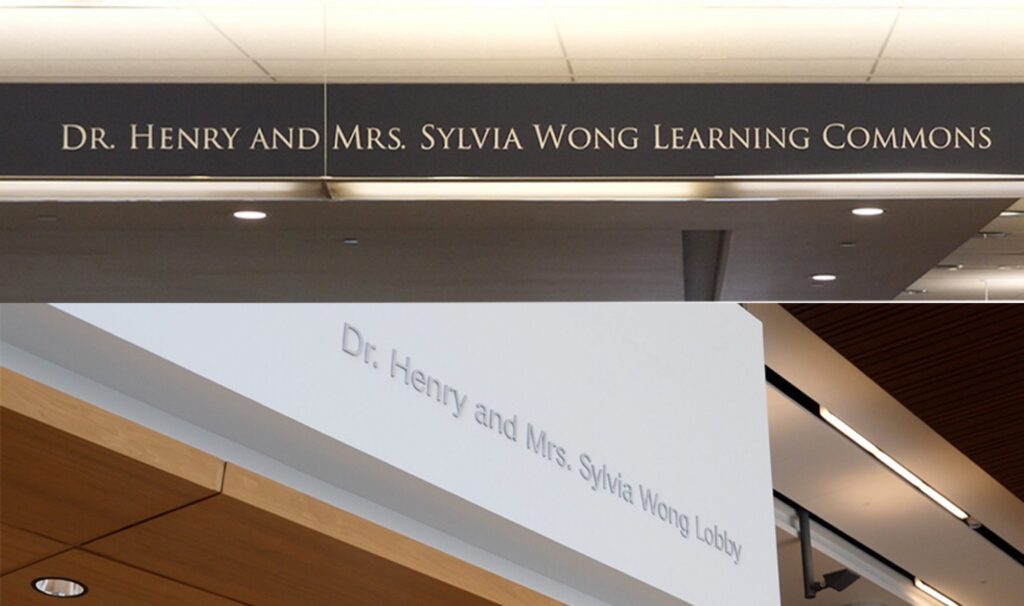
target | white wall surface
[{"x": 669, "y": 396}]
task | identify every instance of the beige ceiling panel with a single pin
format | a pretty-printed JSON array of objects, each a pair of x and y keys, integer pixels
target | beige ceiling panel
[
  {"x": 975, "y": 68},
  {"x": 444, "y": 69},
  {"x": 796, "y": 436},
  {"x": 114, "y": 70},
  {"x": 825, "y": 472},
  {"x": 967, "y": 33},
  {"x": 895, "y": 520},
  {"x": 719, "y": 79},
  {"x": 393, "y": 29},
  {"x": 795, "y": 352},
  {"x": 670, "y": 68},
  {"x": 665, "y": 31},
  {"x": 445, "y": 80},
  {"x": 116, "y": 33},
  {"x": 295, "y": 32}
]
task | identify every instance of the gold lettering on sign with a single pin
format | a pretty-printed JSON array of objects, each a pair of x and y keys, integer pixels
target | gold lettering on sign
[
  {"x": 362, "y": 138},
  {"x": 76, "y": 137},
  {"x": 719, "y": 138},
  {"x": 839, "y": 136},
  {"x": 586, "y": 137},
  {"x": 302, "y": 138},
  {"x": 175, "y": 138}
]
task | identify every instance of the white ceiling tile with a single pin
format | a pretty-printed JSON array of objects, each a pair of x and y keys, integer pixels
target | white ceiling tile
[
  {"x": 670, "y": 32},
  {"x": 257, "y": 4},
  {"x": 958, "y": 34},
  {"x": 441, "y": 30},
  {"x": 155, "y": 70},
  {"x": 721, "y": 67},
  {"x": 295, "y": 32},
  {"x": 972, "y": 68},
  {"x": 95, "y": 33},
  {"x": 972, "y": 4},
  {"x": 426, "y": 68},
  {"x": 658, "y": 4}
]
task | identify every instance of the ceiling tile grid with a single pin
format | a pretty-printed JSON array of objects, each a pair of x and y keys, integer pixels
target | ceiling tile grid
[{"x": 512, "y": 41}]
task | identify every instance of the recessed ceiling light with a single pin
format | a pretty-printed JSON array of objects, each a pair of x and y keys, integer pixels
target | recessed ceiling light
[
  {"x": 950, "y": 266},
  {"x": 915, "y": 291},
  {"x": 867, "y": 211},
  {"x": 823, "y": 277},
  {"x": 847, "y": 244},
  {"x": 350, "y": 241},
  {"x": 59, "y": 588},
  {"x": 985, "y": 235},
  {"x": 1012, "y": 213},
  {"x": 250, "y": 215}
]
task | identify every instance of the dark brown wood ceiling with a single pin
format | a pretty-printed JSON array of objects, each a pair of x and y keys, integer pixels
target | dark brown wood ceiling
[{"x": 959, "y": 367}]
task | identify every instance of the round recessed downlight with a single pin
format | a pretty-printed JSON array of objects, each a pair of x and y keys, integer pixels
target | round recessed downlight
[
  {"x": 985, "y": 235},
  {"x": 59, "y": 588},
  {"x": 1012, "y": 213},
  {"x": 823, "y": 277},
  {"x": 867, "y": 211},
  {"x": 915, "y": 291},
  {"x": 250, "y": 215},
  {"x": 350, "y": 241}
]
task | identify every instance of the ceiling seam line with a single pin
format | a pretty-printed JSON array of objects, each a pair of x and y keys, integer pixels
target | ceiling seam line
[
  {"x": 561, "y": 44},
  {"x": 885, "y": 44},
  {"x": 236, "y": 45}
]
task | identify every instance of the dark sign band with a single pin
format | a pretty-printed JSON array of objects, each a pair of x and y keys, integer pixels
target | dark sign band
[{"x": 508, "y": 131}]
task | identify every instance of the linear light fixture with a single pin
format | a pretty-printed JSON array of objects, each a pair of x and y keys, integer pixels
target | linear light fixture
[
  {"x": 509, "y": 190},
  {"x": 934, "y": 593},
  {"x": 892, "y": 464},
  {"x": 738, "y": 189},
  {"x": 34, "y": 190},
  {"x": 892, "y": 176},
  {"x": 735, "y": 189}
]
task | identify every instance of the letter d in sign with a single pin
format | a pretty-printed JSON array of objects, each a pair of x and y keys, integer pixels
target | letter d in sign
[
  {"x": 351, "y": 340},
  {"x": 75, "y": 137}
]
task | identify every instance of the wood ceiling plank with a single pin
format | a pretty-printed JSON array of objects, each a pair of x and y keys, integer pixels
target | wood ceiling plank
[
  {"x": 109, "y": 583},
  {"x": 20, "y": 548},
  {"x": 303, "y": 552},
  {"x": 73, "y": 472},
  {"x": 302, "y": 509}
]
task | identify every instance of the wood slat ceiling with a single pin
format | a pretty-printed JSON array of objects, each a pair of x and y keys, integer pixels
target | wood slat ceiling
[{"x": 958, "y": 367}]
